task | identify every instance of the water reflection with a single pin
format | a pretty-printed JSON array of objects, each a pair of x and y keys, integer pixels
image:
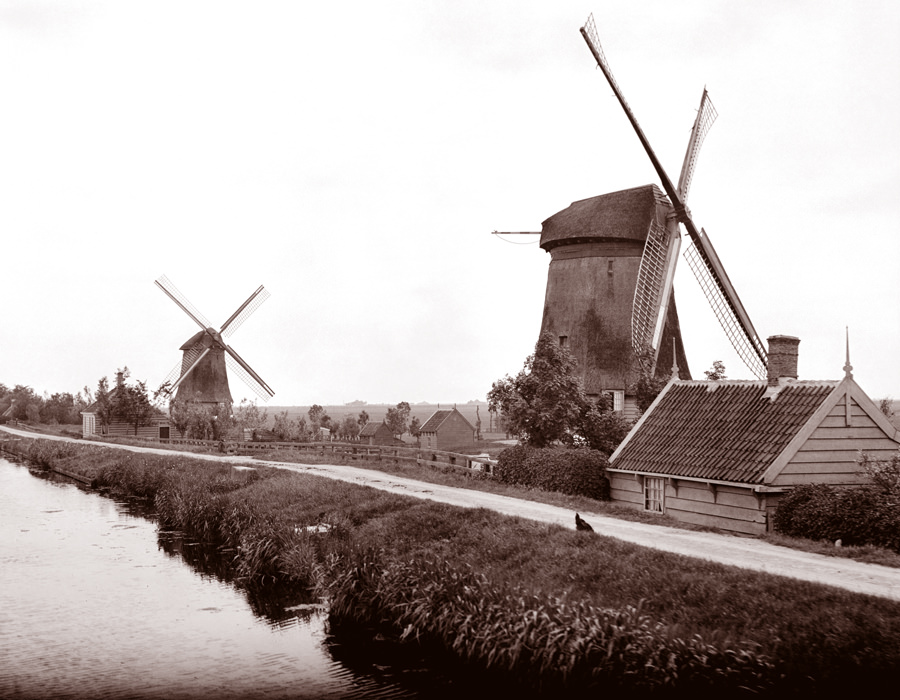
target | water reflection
[
  {"x": 94, "y": 603},
  {"x": 277, "y": 604}
]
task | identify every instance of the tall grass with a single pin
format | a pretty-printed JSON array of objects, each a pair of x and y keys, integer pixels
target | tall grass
[{"x": 563, "y": 611}]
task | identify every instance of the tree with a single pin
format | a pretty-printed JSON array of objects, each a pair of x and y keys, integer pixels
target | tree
[
  {"x": 716, "y": 372},
  {"x": 59, "y": 408},
  {"x": 415, "y": 426},
  {"x": 349, "y": 429},
  {"x": 104, "y": 403},
  {"x": 397, "y": 418},
  {"x": 545, "y": 402},
  {"x": 363, "y": 418},
  {"x": 601, "y": 427},
  {"x": 248, "y": 416},
  {"x": 131, "y": 404},
  {"x": 315, "y": 413},
  {"x": 284, "y": 428}
]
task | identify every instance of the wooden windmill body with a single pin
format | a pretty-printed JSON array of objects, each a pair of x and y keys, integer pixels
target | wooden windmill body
[
  {"x": 208, "y": 382},
  {"x": 596, "y": 247},
  {"x": 202, "y": 377}
]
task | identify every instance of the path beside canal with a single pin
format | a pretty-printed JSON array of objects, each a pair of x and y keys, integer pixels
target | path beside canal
[{"x": 744, "y": 552}]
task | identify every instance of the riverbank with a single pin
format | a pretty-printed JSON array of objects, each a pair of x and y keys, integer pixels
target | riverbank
[{"x": 534, "y": 604}]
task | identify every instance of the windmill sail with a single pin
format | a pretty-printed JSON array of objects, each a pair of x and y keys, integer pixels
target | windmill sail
[
  {"x": 706, "y": 115},
  {"x": 654, "y": 287},
  {"x": 715, "y": 283}
]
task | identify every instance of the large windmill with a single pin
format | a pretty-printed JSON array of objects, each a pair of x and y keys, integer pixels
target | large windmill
[
  {"x": 201, "y": 376},
  {"x": 610, "y": 296}
]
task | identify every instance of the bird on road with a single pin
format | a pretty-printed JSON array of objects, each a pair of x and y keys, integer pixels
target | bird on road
[{"x": 580, "y": 524}]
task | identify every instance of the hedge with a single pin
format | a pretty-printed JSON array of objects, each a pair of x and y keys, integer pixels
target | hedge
[
  {"x": 574, "y": 471},
  {"x": 856, "y": 516}
]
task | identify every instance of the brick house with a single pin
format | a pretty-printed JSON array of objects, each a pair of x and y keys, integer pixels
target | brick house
[
  {"x": 446, "y": 430},
  {"x": 722, "y": 453}
]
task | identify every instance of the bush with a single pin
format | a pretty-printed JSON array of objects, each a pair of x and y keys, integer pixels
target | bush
[
  {"x": 856, "y": 516},
  {"x": 574, "y": 471}
]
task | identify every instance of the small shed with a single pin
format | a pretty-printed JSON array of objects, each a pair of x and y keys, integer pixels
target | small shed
[
  {"x": 722, "y": 453},
  {"x": 445, "y": 430},
  {"x": 376, "y": 433}
]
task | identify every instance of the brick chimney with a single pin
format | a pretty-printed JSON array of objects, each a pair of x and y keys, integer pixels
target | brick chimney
[
  {"x": 782, "y": 358},
  {"x": 120, "y": 379}
]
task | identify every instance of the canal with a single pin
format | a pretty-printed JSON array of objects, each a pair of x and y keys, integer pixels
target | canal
[{"x": 95, "y": 602}]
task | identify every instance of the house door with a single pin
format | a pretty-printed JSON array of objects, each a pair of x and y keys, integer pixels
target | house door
[{"x": 164, "y": 432}]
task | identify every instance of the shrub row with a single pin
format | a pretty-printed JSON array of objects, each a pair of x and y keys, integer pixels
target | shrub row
[
  {"x": 856, "y": 516},
  {"x": 574, "y": 471}
]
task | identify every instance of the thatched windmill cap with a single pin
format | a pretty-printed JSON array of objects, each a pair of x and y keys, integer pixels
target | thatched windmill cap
[{"x": 626, "y": 214}]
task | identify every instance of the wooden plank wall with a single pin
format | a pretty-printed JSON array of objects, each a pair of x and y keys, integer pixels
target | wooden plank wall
[
  {"x": 729, "y": 508},
  {"x": 454, "y": 432},
  {"x": 829, "y": 455}
]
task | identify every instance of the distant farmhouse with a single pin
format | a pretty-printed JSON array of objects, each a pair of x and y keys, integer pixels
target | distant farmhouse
[
  {"x": 722, "y": 453},
  {"x": 446, "y": 429},
  {"x": 92, "y": 425},
  {"x": 376, "y": 433}
]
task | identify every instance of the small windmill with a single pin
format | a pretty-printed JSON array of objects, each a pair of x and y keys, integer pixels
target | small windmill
[
  {"x": 654, "y": 284},
  {"x": 201, "y": 376}
]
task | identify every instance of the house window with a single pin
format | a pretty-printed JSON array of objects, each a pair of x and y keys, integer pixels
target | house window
[
  {"x": 563, "y": 341},
  {"x": 654, "y": 494},
  {"x": 617, "y": 399}
]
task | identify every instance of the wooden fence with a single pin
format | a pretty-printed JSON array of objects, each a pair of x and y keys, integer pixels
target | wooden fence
[{"x": 353, "y": 451}]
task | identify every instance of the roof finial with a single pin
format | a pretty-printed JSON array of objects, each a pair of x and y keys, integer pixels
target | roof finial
[
  {"x": 848, "y": 368},
  {"x": 674, "y": 360}
]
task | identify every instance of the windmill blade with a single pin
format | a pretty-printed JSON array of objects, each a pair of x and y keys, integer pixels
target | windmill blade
[
  {"x": 246, "y": 373},
  {"x": 589, "y": 32},
  {"x": 172, "y": 292},
  {"x": 243, "y": 312},
  {"x": 706, "y": 115},
  {"x": 707, "y": 268},
  {"x": 718, "y": 288}
]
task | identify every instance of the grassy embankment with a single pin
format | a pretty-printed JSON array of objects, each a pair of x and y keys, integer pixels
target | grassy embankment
[
  {"x": 534, "y": 605},
  {"x": 449, "y": 476}
]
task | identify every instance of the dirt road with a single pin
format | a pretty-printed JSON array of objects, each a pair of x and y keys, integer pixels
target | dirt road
[{"x": 744, "y": 552}]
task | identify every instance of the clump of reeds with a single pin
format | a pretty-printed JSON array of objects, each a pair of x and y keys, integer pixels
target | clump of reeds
[{"x": 544, "y": 642}]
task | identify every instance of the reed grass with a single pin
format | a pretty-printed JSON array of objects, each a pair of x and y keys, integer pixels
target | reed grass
[{"x": 555, "y": 610}]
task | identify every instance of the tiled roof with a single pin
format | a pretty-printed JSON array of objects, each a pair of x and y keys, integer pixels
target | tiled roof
[
  {"x": 724, "y": 431},
  {"x": 433, "y": 423},
  {"x": 370, "y": 428}
]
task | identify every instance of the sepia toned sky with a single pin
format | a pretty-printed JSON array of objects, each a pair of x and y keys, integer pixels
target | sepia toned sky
[{"x": 355, "y": 157}]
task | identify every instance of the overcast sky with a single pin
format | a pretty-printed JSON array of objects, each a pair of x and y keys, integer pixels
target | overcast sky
[{"x": 354, "y": 158}]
